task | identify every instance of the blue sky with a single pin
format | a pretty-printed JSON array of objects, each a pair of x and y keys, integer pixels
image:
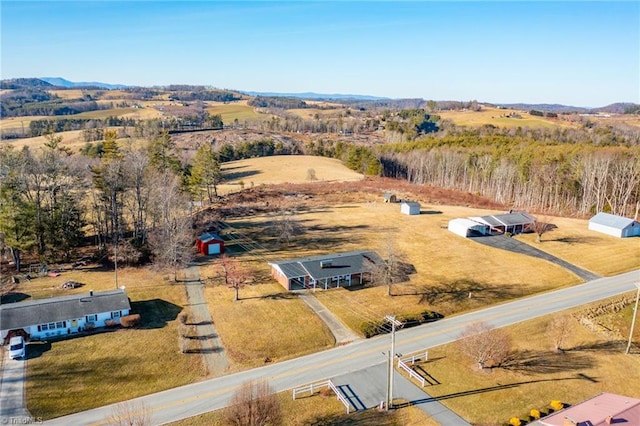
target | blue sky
[{"x": 575, "y": 53}]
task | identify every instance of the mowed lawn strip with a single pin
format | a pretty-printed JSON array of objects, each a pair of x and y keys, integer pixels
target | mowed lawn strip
[
  {"x": 266, "y": 325},
  {"x": 67, "y": 376},
  {"x": 536, "y": 375}
]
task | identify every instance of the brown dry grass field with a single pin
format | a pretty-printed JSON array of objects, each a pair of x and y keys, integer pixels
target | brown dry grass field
[
  {"x": 122, "y": 363},
  {"x": 596, "y": 252},
  {"x": 592, "y": 363},
  {"x": 72, "y": 139},
  {"x": 280, "y": 326},
  {"x": 281, "y": 169},
  {"x": 448, "y": 267},
  {"x": 324, "y": 410},
  {"x": 236, "y": 110},
  {"x": 497, "y": 117}
]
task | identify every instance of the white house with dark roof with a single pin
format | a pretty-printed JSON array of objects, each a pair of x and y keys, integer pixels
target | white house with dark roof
[
  {"x": 59, "y": 316},
  {"x": 616, "y": 226},
  {"x": 326, "y": 271}
]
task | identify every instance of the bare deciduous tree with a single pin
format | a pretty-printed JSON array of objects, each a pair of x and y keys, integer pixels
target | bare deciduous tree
[
  {"x": 254, "y": 404},
  {"x": 235, "y": 276},
  {"x": 541, "y": 227},
  {"x": 311, "y": 174},
  {"x": 130, "y": 414},
  {"x": 391, "y": 269},
  {"x": 559, "y": 330},
  {"x": 284, "y": 225},
  {"x": 489, "y": 347}
]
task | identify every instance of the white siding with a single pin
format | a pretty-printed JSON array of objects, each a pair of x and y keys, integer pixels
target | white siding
[{"x": 605, "y": 229}]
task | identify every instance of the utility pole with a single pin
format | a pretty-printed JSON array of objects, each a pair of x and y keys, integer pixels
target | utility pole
[
  {"x": 394, "y": 323},
  {"x": 633, "y": 318}
]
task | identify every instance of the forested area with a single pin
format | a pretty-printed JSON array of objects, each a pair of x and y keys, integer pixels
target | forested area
[
  {"x": 131, "y": 203},
  {"x": 30, "y": 101}
]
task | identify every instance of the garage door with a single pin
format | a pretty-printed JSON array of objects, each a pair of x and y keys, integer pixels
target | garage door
[{"x": 214, "y": 248}]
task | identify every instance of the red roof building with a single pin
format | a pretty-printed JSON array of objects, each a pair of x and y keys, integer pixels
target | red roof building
[{"x": 601, "y": 410}]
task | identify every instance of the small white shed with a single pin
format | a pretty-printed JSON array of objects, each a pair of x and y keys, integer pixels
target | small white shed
[
  {"x": 467, "y": 227},
  {"x": 616, "y": 226},
  {"x": 410, "y": 207}
]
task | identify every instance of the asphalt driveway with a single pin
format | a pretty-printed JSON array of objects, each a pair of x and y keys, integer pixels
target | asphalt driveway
[
  {"x": 12, "y": 402},
  {"x": 511, "y": 244}
]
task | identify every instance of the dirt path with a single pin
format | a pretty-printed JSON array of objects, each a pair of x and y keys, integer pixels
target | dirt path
[{"x": 210, "y": 344}]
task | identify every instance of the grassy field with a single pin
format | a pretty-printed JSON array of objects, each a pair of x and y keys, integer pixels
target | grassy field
[
  {"x": 122, "y": 364},
  {"x": 236, "y": 110},
  {"x": 536, "y": 375},
  {"x": 497, "y": 117},
  {"x": 72, "y": 139},
  {"x": 267, "y": 324},
  {"x": 596, "y": 252},
  {"x": 283, "y": 168},
  {"x": 324, "y": 410}
]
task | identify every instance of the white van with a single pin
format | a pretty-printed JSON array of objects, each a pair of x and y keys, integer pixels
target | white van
[{"x": 17, "y": 347}]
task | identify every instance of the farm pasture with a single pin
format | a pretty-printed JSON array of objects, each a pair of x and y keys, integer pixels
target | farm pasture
[
  {"x": 235, "y": 110},
  {"x": 497, "y": 117}
]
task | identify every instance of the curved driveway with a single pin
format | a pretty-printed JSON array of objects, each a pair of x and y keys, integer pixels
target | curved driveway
[{"x": 208, "y": 395}]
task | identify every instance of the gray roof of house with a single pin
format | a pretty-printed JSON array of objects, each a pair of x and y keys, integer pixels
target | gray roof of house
[
  {"x": 348, "y": 263},
  {"x": 411, "y": 203},
  {"x": 41, "y": 311},
  {"x": 611, "y": 220},
  {"x": 508, "y": 219},
  {"x": 207, "y": 236}
]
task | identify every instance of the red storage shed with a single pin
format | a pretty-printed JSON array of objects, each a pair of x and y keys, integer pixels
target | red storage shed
[{"x": 209, "y": 244}]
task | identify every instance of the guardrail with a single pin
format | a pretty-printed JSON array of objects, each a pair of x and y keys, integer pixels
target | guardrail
[{"x": 318, "y": 385}]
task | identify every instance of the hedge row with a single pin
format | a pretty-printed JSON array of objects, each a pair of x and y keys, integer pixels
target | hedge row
[{"x": 373, "y": 328}]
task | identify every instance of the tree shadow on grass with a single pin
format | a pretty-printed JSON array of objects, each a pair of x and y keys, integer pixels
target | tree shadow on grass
[
  {"x": 546, "y": 362},
  {"x": 359, "y": 418},
  {"x": 610, "y": 346},
  {"x": 461, "y": 289},
  {"x": 574, "y": 240},
  {"x": 155, "y": 313},
  {"x": 13, "y": 297}
]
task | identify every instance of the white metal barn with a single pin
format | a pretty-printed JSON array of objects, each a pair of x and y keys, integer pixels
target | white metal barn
[
  {"x": 410, "y": 207},
  {"x": 616, "y": 226},
  {"x": 467, "y": 227}
]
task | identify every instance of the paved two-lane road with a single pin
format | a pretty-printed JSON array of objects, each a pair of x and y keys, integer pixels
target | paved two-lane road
[{"x": 208, "y": 395}]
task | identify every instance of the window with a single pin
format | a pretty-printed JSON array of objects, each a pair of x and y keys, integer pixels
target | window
[
  {"x": 61, "y": 324},
  {"x": 115, "y": 314},
  {"x": 43, "y": 327},
  {"x": 92, "y": 318}
]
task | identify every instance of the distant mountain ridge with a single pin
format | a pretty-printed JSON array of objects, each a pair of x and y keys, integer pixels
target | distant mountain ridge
[
  {"x": 61, "y": 82},
  {"x": 52, "y": 82},
  {"x": 316, "y": 96},
  {"x": 615, "y": 108}
]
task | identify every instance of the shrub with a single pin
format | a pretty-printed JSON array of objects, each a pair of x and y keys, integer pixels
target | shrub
[
  {"x": 130, "y": 320},
  {"x": 371, "y": 328},
  {"x": 515, "y": 421},
  {"x": 556, "y": 405},
  {"x": 535, "y": 414},
  {"x": 110, "y": 323}
]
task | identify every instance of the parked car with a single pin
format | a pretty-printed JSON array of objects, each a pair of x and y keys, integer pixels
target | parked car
[{"x": 17, "y": 347}]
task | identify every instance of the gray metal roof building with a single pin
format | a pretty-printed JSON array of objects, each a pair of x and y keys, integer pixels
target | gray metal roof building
[{"x": 325, "y": 269}]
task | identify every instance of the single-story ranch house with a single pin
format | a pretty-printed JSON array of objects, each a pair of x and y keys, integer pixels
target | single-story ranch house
[
  {"x": 616, "y": 226},
  {"x": 334, "y": 270},
  {"x": 58, "y": 316},
  {"x": 514, "y": 223}
]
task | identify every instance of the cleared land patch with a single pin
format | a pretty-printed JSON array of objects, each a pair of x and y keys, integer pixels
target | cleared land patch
[
  {"x": 498, "y": 117},
  {"x": 238, "y": 110},
  {"x": 283, "y": 168}
]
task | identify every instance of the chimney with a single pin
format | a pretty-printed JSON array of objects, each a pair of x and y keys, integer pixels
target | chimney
[
  {"x": 568, "y": 421},
  {"x": 90, "y": 292},
  {"x": 609, "y": 420},
  {"x": 326, "y": 264}
]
